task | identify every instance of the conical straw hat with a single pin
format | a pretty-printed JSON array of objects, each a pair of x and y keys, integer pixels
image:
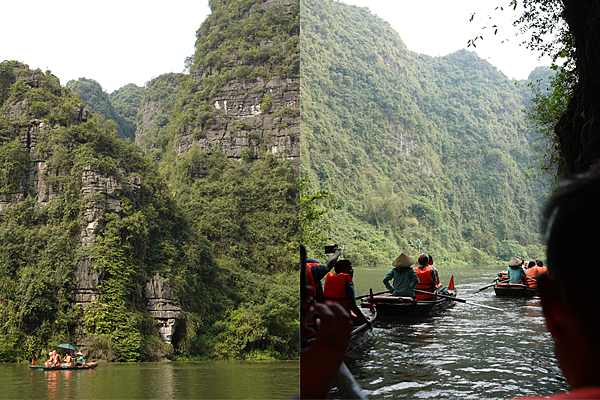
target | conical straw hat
[
  {"x": 514, "y": 262},
  {"x": 403, "y": 261}
]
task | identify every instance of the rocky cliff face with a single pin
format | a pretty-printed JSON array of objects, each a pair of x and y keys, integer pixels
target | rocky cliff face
[
  {"x": 244, "y": 116},
  {"x": 102, "y": 190},
  {"x": 161, "y": 306},
  {"x": 241, "y": 123},
  {"x": 577, "y": 130},
  {"x": 29, "y": 130}
]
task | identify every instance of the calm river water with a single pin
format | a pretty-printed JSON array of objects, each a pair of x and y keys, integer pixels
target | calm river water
[
  {"x": 464, "y": 352},
  {"x": 176, "y": 380}
]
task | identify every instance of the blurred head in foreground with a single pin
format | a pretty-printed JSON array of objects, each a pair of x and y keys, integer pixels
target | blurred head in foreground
[{"x": 571, "y": 307}]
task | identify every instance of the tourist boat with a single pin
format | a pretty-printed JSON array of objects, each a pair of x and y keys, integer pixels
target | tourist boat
[
  {"x": 90, "y": 365},
  {"x": 397, "y": 306},
  {"x": 362, "y": 333},
  {"x": 514, "y": 290}
]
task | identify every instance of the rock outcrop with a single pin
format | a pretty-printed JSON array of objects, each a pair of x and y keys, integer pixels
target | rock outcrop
[{"x": 161, "y": 306}]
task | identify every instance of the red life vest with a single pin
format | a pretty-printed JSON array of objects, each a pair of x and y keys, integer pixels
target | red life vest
[
  {"x": 532, "y": 274},
  {"x": 426, "y": 283},
  {"x": 335, "y": 289}
]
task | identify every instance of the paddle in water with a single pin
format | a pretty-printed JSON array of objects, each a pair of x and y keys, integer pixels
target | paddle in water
[
  {"x": 459, "y": 300},
  {"x": 487, "y": 286}
]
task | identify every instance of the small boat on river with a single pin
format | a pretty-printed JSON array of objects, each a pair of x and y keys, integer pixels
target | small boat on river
[
  {"x": 514, "y": 290},
  {"x": 396, "y": 306},
  {"x": 90, "y": 365}
]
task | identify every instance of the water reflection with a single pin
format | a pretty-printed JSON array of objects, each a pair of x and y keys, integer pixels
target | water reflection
[
  {"x": 177, "y": 380},
  {"x": 464, "y": 352}
]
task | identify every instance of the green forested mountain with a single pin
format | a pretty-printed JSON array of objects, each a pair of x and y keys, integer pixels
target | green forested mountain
[
  {"x": 121, "y": 106},
  {"x": 419, "y": 152},
  {"x": 96, "y": 231}
]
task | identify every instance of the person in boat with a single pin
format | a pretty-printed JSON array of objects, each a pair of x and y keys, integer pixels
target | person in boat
[
  {"x": 572, "y": 311},
  {"x": 317, "y": 272},
  {"x": 79, "y": 360},
  {"x": 339, "y": 288},
  {"x": 515, "y": 271},
  {"x": 429, "y": 279},
  {"x": 68, "y": 359},
  {"x": 533, "y": 272},
  {"x": 320, "y": 362},
  {"x": 540, "y": 265},
  {"x": 405, "y": 279},
  {"x": 52, "y": 361}
]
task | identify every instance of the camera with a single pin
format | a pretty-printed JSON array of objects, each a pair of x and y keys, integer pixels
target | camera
[{"x": 329, "y": 249}]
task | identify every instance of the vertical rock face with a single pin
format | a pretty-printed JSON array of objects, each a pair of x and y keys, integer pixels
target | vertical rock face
[
  {"x": 232, "y": 107},
  {"x": 241, "y": 123},
  {"x": 577, "y": 130},
  {"x": 161, "y": 306}
]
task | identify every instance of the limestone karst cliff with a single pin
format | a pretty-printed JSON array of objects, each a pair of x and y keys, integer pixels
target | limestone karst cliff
[{"x": 242, "y": 93}]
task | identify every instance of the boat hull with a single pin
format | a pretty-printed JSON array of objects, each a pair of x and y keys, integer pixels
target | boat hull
[
  {"x": 362, "y": 333},
  {"x": 514, "y": 290},
  {"x": 91, "y": 365},
  {"x": 394, "y": 306}
]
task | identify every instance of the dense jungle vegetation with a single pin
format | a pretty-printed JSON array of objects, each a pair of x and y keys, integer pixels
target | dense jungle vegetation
[
  {"x": 419, "y": 153},
  {"x": 227, "y": 241}
]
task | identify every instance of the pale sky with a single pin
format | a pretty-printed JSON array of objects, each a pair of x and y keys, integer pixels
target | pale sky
[
  {"x": 441, "y": 27},
  {"x": 114, "y": 42},
  {"x": 132, "y": 41}
]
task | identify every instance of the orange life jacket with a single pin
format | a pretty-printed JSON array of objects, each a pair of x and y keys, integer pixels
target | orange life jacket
[
  {"x": 335, "y": 289},
  {"x": 69, "y": 360},
  {"x": 426, "y": 283},
  {"x": 532, "y": 274}
]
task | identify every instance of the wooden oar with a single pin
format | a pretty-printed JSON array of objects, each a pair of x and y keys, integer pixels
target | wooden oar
[
  {"x": 374, "y": 294},
  {"x": 457, "y": 299},
  {"x": 486, "y": 287}
]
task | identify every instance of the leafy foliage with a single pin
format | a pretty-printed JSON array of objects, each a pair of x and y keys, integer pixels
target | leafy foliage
[{"x": 413, "y": 148}]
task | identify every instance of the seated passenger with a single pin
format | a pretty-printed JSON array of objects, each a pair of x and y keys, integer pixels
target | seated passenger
[
  {"x": 515, "y": 271},
  {"x": 318, "y": 271},
  {"x": 533, "y": 272},
  {"x": 50, "y": 362},
  {"x": 429, "y": 279},
  {"x": 405, "y": 279},
  {"x": 68, "y": 359},
  {"x": 339, "y": 288},
  {"x": 79, "y": 360}
]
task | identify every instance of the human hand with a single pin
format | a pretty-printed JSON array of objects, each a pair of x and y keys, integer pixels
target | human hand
[{"x": 319, "y": 364}]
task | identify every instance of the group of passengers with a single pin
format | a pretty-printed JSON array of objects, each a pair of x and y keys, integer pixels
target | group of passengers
[
  {"x": 55, "y": 360},
  {"x": 523, "y": 272},
  {"x": 339, "y": 287}
]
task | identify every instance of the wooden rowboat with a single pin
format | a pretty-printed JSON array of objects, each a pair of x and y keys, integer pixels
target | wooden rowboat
[
  {"x": 514, "y": 290},
  {"x": 90, "y": 365},
  {"x": 396, "y": 306}
]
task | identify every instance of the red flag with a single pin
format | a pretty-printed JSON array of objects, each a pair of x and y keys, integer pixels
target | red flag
[{"x": 451, "y": 284}]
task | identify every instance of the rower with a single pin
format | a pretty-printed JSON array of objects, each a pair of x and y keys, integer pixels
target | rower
[
  {"x": 404, "y": 277},
  {"x": 339, "y": 288},
  {"x": 79, "y": 360}
]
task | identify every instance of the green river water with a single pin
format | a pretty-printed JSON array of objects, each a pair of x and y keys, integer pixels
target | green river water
[
  {"x": 168, "y": 380},
  {"x": 464, "y": 352}
]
